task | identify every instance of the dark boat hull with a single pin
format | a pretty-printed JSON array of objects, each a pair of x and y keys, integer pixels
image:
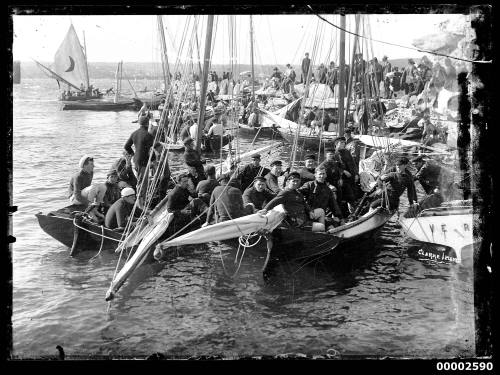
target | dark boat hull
[{"x": 101, "y": 105}]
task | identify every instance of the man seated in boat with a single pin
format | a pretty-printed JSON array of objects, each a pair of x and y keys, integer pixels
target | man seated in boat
[
  {"x": 192, "y": 158},
  {"x": 394, "y": 182},
  {"x": 320, "y": 198},
  {"x": 247, "y": 173},
  {"x": 256, "y": 195},
  {"x": 226, "y": 202},
  {"x": 119, "y": 212},
  {"x": 349, "y": 176},
  {"x": 123, "y": 167},
  {"x": 298, "y": 212},
  {"x": 103, "y": 194},
  {"x": 271, "y": 178},
  {"x": 81, "y": 180},
  {"x": 307, "y": 172},
  {"x": 254, "y": 120},
  {"x": 204, "y": 188},
  {"x": 334, "y": 167},
  {"x": 161, "y": 170}
]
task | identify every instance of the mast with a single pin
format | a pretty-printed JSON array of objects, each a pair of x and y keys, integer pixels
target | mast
[
  {"x": 351, "y": 70},
  {"x": 164, "y": 57},
  {"x": 251, "y": 58},
  {"x": 342, "y": 76},
  {"x": 86, "y": 62},
  {"x": 117, "y": 86},
  {"x": 206, "y": 66}
]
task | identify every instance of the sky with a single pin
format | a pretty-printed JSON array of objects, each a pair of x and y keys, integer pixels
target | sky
[{"x": 278, "y": 39}]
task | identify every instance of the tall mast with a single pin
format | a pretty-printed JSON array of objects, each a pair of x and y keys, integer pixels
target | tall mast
[
  {"x": 351, "y": 70},
  {"x": 206, "y": 66},
  {"x": 251, "y": 58},
  {"x": 342, "y": 76},
  {"x": 86, "y": 62},
  {"x": 164, "y": 57}
]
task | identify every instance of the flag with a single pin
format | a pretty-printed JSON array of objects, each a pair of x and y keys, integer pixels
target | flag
[{"x": 69, "y": 61}]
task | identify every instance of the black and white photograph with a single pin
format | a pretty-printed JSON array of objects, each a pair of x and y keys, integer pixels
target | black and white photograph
[{"x": 305, "y": 182}]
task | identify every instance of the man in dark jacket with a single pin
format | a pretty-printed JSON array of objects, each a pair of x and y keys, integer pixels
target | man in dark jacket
[
  {"x": 307, "y": 172},
  {"x": 256, "y": 195},
  {"x": 334, "y": 167},
  {"x": 192, "y": 158},
  {"x": 306, "y": 63},
  {"x": 350, "y": 175},
  {"x": 205, "y": 188},
  {"x": 298, "y": 212},
  {"x": 320, "y": 197},
  {"x": 247, "y": 174},
  {"x": 271, "y": 178},
  {"x": 226, "y": 202},
  {"x": 396, "y": 181}
]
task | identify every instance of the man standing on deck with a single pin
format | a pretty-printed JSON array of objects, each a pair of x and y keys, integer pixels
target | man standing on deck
[
  {"x": 396, "y": 181},
  {"x": 352, "y": 145},
  {"x": 248, "y": 173},
  {"x": 226, "y": 202},
  {"x": 350, "y": 174},
  {"x": 306, "y": 63},
  {"x": 118, "y": 213},
  {"x": 192, "y": 158},
  {"x": 256, "y": 195},
  {"x": 386, "y": 69},
  {"x": 142, "y": 140},
  {"x": 271, "y": 178},
  {"x": 81, "y": 180}
]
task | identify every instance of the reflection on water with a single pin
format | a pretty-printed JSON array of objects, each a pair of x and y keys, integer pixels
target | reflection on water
[{"x": 376, "y": 299}]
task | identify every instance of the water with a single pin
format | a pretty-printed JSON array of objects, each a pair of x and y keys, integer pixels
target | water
[{"x": 379, "y": 301}]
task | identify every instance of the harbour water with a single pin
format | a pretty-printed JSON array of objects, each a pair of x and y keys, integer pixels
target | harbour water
[{"x": 377, "y": 301}]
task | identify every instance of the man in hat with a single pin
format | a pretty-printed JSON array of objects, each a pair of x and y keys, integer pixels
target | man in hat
[
  {"x": 226, "y": 202},
  {"x": 192, "y": 158},
  {"x": 118, "y": 213},
  {"x": 320, "y": 197},
  {"x": 306, "y": 63},
  {"x": 386, "y": 69},
  {"x": 271, "y": 178},
  {"x": 307, "y": 172},
  {"x": 205, "y": 188},
  {"x": 126, "y": 176},
  {"x": 350, "y": 174},
  {"x": 248, "y": 173},
  {"x": 81, "y": 180},
  {"x": 352, "y": 144},
  {"x": 409, "y": 77},
  {"x": 142, "y": 140},
  {"x": 256, "y": 195},
  {"x": 334, "y": 167},
  {"x": 299, "y": 214},
  {"x": 395, "y": 181},
  {"x": 428, "y": 174}
]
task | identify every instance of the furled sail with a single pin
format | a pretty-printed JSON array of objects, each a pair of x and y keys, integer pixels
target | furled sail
[{"x": 70, "y": 62}]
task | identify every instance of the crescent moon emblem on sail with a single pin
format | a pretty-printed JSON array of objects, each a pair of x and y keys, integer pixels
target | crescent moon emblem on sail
[{"x": 71, "y": 65}]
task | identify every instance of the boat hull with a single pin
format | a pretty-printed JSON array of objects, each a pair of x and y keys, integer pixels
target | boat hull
[
  {"x": 309, "y": 142},
  {"x": 449, "y": 227},
  {"x": 99, "y": 105}
]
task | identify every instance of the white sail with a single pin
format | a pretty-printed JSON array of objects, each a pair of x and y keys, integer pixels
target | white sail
[{"x": 69, "y": 61}]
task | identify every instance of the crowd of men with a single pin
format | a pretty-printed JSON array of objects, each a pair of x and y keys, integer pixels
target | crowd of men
[{"x": 320, "y": 195}]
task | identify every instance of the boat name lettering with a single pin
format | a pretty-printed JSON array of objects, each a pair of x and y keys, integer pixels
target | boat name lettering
[
  {"x": 466, "y": 227},
  {"x": 432, "y": 227},
  {"x": 443, "y": 228},
  {"x": 434, "y": 256}
]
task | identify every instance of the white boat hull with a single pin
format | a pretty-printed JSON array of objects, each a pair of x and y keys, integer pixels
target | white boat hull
[
  {"x": 454, "y": 231},
  {"x": 367, "y": 223}
]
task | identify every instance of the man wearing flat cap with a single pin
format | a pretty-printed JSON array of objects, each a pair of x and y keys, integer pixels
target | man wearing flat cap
[
  {"x": 299, "y": 214},
  {"x": 307, "y": 172},
  {"x": 247, "y": 174},
  {"x": 256, "y": 195},
  {"x": 81, "y": 180},
  {"x": 349, "y": 176},
  {"x": 395, "y": 181},
  {"x": 192, "y": 158},
  {"x": 272, "y": 183}
]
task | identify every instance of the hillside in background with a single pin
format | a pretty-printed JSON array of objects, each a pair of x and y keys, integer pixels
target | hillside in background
[{"x": 135, "y": 70}]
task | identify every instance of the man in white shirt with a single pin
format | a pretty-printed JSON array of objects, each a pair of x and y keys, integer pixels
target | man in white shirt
[{"x": 193, "y": 131}]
